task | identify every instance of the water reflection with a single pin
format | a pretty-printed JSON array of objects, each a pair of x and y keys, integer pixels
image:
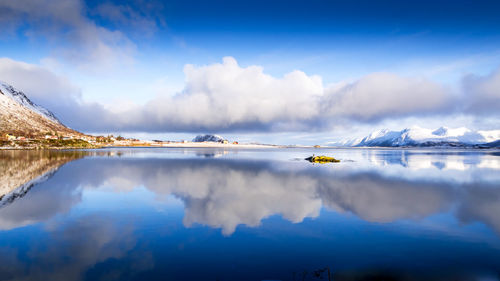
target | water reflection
[
  {"x": 225, "y": 193},
  {"x": 20, "y": 170},
  {"x": 429, "y": 159},
  {"x": 71, "y": 248},
  {"x": 85, "y": 237}
]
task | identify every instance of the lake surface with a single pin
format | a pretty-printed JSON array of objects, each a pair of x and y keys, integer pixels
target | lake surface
[{"x": 212, "y": 214}]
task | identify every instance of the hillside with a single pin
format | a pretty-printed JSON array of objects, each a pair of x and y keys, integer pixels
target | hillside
[{"x": 19, "y": 116}]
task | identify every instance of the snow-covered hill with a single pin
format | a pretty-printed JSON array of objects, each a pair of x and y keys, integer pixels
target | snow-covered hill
[
  {"x": 23, "y": 100},
  {"x": 19, "y": 115},
  {"x": 416, "y": 136},
  {"x": 208, "y": 138}
]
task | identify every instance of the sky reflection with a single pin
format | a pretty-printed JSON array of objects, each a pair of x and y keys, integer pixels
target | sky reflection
[{"x": 99, "y": 209}]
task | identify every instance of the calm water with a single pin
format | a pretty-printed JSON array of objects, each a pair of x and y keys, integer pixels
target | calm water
[{"x": 208, "y": 214}]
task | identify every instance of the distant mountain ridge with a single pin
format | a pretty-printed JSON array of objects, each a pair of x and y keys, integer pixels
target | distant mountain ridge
[
  {"x": 20, "y": 116},
  {"x": 208, "y": 138},
  {"x": 421, "y": 137}
]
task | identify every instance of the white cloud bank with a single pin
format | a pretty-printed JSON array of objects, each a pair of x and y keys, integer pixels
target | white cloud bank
[
  {"x": 382, "y": 95},
  {"x": 55, "y": 92},
  {"x": 482, "y": 93},
  {"x": 228, "y": 97}
]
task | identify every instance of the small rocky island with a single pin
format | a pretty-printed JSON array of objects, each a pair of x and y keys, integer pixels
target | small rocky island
[{"x": 322, "y": 159}]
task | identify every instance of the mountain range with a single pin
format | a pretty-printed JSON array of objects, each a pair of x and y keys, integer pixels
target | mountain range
[{"x": 421, "y": 137}]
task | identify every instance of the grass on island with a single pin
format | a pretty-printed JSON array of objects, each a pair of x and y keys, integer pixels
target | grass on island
[{"x": 322, "y": 159}]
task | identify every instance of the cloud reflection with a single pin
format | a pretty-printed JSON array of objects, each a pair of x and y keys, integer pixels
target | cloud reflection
[
  {"x": 224, "y": 193},
  {"x": 73, "y": 249}
]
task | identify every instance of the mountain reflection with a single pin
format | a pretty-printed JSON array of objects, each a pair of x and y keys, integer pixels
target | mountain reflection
[
  {"x": 224, "y": 193},
  {"x": 460, "y": 160},
  {"x": 20, "y": 170}
]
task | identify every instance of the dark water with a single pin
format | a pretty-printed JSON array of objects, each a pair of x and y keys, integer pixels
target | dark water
[{"x": 207, "y": 214}]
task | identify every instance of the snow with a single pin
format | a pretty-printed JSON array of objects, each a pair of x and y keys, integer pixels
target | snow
[
  {"x": 22, "y": 100},
  {"x": 422, "y": 136},
  {"x": 490, "y": 136},
  {"x": 208, "y": 138},
  {"x": 19, "y": 115}
]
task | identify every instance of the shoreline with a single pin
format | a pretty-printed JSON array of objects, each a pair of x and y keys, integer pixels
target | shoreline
[
  {"x": 202, "y": 145},
  {"x": 148, "y": 145},
  {"x": 243, "y": 146}
]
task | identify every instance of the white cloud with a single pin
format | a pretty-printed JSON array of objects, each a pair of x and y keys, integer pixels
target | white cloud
[
  {"x": 55, "y": 92},
  {"x": 381, "y": 95},
  {"x": 39, "y": 83},
  {"x": 482, "y": 93},
  {"x": 222, "y": 96},
  {"x": 225, "y": 96},
  {"x": 79, "y": 39}
]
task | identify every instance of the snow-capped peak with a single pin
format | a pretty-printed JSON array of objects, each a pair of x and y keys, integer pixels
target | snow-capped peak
[
  {"x": 22, "y": 99},
  {"x": 208, "y": 138},
  {"x": 377, "y": 134},
  {"x": 417, "y": 136},
  {"x": 441, "y": 131}
]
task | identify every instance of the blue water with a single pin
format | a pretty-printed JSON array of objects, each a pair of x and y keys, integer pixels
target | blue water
[{"x": 211, "y": 214}]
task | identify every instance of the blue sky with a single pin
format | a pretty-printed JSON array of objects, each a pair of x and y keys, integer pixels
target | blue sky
[{"x": 124, "y": 63}]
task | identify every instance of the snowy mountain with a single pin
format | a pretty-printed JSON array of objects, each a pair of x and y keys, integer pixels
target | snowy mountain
[
  {"x": 23, "y": 100},
  {"x": 416, "y": 136},
  {"x": 20, "y": 116},
  {"x": 208, "y": 138}
]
